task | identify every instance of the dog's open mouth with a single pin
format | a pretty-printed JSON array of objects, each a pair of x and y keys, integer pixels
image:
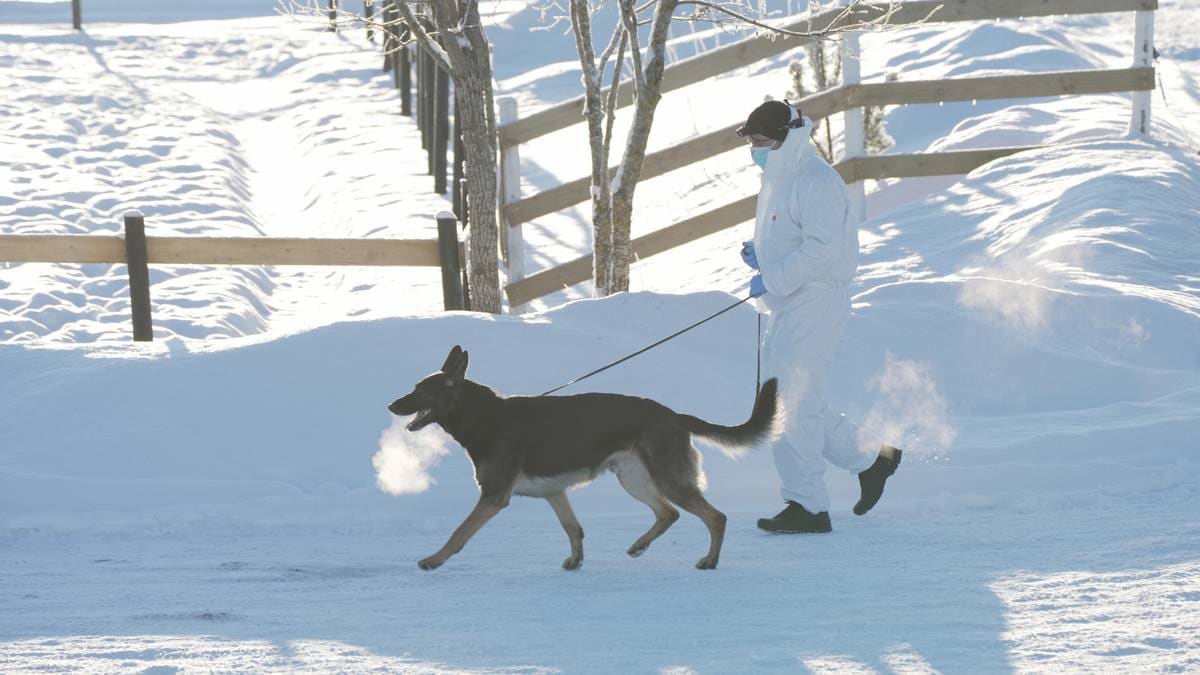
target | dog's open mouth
[{"x": 423, "y": 418}]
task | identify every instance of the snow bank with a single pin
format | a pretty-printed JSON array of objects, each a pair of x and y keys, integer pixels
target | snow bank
[{"x": 1029, "y": 334}]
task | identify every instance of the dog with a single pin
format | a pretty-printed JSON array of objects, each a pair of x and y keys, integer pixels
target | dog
[{"x": 539, "y": 446}]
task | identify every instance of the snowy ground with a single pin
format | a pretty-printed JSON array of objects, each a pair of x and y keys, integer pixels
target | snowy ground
[
  {"x": 254, "y": 127},
  {"x": 1079, "y": 587},
  {"x": 1030, "y": 333}
]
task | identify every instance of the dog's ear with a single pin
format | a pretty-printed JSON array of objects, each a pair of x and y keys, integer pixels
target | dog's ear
[
  {"x": 459, "y": 371},
  {"x": 452, "y": 359}
]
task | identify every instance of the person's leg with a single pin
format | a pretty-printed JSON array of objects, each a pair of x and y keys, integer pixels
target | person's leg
[
  {"x": 798, "y": 460},
  {"x": 800, "y": 346},
  {"x": 798, "y": 353},
  {"x": 848, "y": 447},
  {"x": 843, "y": 442},
  {"x": 801, "y": 468}
]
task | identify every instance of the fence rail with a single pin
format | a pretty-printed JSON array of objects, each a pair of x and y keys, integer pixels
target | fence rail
[
  {"x": 946, "y": 163},
  {"x": 88, "y": 248},
  {"x": 722, "y": 60},
  {"x": 138, "y": 251},
  {"x": 724, "y": 217},
  {"x": 1060, "y": 83},
  {"x": 840, "y": 99}
]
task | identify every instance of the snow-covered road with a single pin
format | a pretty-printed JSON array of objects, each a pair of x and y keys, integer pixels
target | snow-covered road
[{"x": 1075, "y": 586}]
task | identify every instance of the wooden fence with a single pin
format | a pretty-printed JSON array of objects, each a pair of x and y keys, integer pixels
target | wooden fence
[
  {"x": 848, "y": 99},
  {"x": 138, "y": 251},
  {"x": 433, "y": 90}
]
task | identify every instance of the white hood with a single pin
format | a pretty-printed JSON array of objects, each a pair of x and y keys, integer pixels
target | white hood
[{"x": 803, "y": 236}]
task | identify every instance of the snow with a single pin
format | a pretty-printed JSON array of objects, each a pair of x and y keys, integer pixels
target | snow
[
  {"x": 253, "y": 135},
  {"x": 235, "y": 496}
]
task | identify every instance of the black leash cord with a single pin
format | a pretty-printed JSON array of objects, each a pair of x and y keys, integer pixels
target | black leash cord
[{"x": 646, "y": 349}]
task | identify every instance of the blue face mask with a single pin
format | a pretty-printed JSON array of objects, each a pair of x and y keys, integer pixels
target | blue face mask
[{"x": 759, "y": 154}]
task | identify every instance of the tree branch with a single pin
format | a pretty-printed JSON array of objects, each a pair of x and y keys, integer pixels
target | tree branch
[
  {"x": 834, "y": 26},
  {"x": 311, "y": 11},
  {"x": 611, "y": 107},
  {"x": 426, "y": 40},
  {"x": 618, "y": 32},
  {"x": 629, "y": 18}
]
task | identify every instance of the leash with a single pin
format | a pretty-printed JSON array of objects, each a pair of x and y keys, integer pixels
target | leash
[{"x": 649, "y": 347}]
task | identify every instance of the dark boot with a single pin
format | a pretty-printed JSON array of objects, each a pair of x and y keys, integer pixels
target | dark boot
[
  {"x": 871, "y": 481},
  {"x": 795, "y": 519}
]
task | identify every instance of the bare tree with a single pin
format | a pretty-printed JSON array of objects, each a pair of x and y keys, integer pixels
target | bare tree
[
  {"x": 451, "y": 31},
  {"x": 612, "y": 195}
]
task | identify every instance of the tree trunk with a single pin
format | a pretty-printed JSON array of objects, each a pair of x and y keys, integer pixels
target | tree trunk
[
  {"x": 648, "y": 95},
  {"x": 480, "y": 146},
  {"x": 463, "y": 48},
  {"x": 594, "y": 114}
]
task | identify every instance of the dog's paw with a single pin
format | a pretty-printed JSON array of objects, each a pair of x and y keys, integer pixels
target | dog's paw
[
  {"x": 707, "y": 563},
  {"x": 635, "y": 550},
  {"x": 572, "y": 563},
  {"x": 430, "y": 563}
]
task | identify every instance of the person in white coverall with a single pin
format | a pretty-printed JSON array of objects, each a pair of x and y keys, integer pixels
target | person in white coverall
[{"x": 805, "y": 248}]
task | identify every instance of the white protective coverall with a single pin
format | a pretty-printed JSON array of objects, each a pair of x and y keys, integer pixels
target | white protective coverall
[{"x": 807, "y": 250}]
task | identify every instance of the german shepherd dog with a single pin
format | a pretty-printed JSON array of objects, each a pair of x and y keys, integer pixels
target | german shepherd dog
[{"x": 538, "y": 446}]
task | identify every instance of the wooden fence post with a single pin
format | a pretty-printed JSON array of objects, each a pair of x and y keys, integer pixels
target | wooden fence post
[
  {"x": 388, "y": 42},
  {"x": 333, "y": 16},
  {"x": 396, "y": 71},
  {"x": 394, "y": 63},
  {"x": 405, "y": 82},
  {"x": 852, "y": 137},
  {"x": 441, "y": 134},
  {"x": 510, "y": 191},
  {"x": 430, "y": 83},
  {"x": 466, "y": 276},
  {"x": 136, "y": 260},
  {"x": 76, "y": 15},
  {"x": 369, "y": 14},
  {"x": 1143, "y": 57},
  {"x": 456, "y": 182},
  {"x": 452, "y": 287},
  {"x": 422, "y": 95}
]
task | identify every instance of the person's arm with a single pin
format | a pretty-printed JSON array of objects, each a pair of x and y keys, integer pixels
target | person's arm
[{"x": 819, "y": 209}]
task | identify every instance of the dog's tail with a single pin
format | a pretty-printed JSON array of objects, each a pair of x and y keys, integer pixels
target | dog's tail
[{"x": 734, "y": 441}]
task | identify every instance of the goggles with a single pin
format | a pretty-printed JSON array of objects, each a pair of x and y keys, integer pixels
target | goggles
[{"x": 746, "y": 130}]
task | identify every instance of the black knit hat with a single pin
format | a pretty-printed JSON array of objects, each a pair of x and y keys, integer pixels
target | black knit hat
[{"x": 772, "y": 119}]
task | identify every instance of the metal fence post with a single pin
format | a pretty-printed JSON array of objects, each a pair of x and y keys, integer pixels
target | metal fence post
[
  {"x": 136, "y": 260},
  {"x": 853, "y": 119},
  {"x": 452, "y": 288},
  {"x": 1143, "y": 57}
]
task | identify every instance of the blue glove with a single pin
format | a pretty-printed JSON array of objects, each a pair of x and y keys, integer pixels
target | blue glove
[
  {"x": 748, "y": 255},
  {"x": 757, "y": 287}
]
